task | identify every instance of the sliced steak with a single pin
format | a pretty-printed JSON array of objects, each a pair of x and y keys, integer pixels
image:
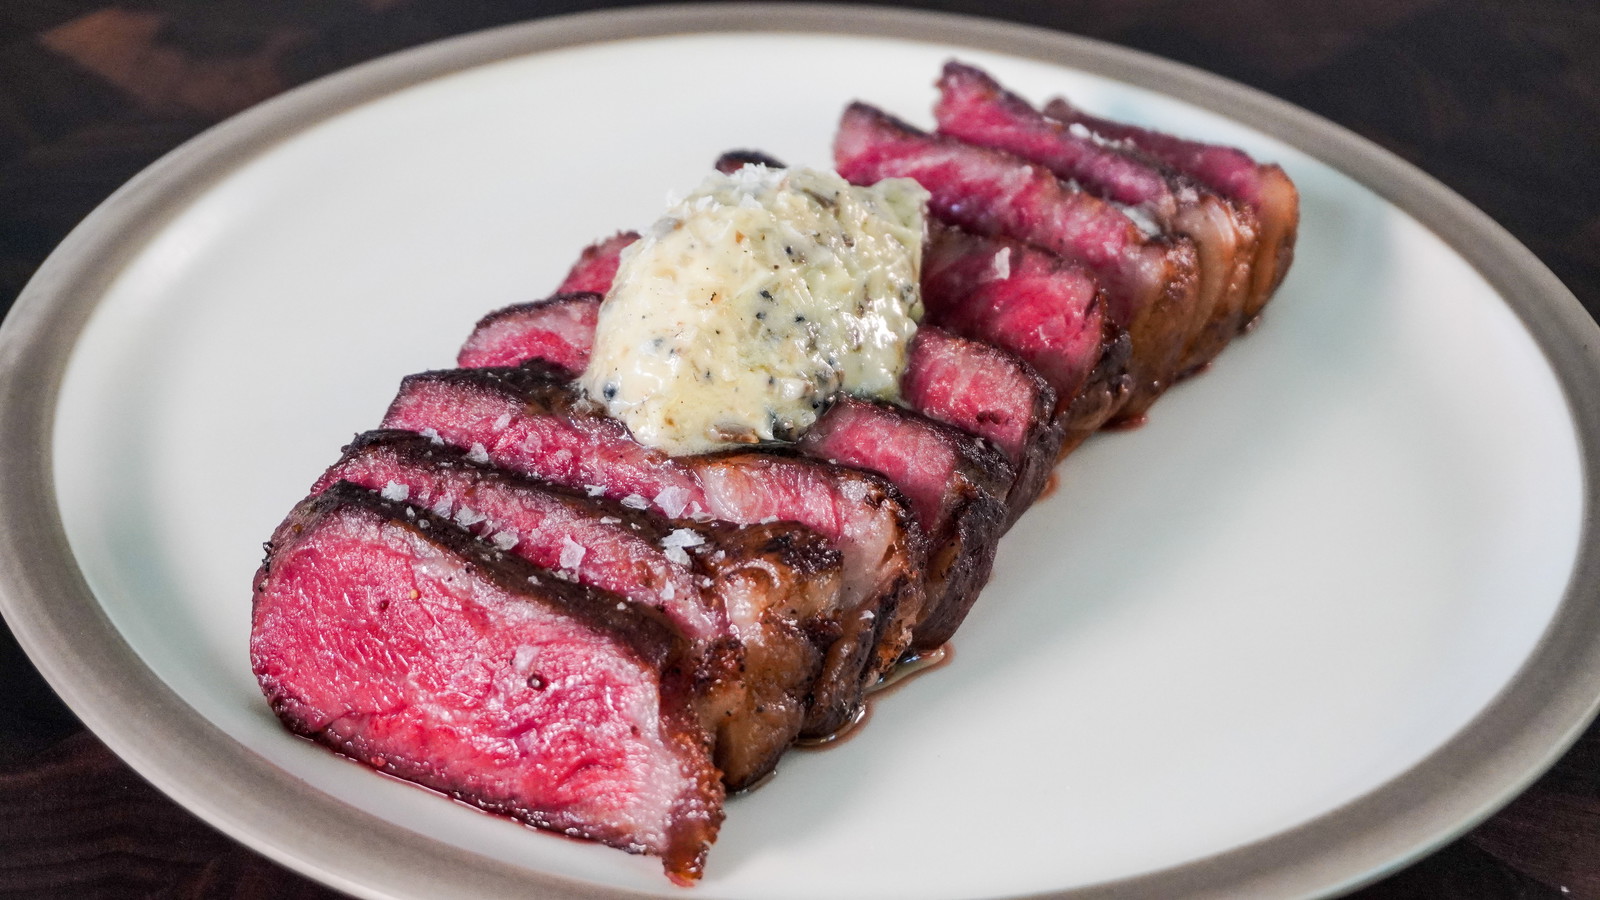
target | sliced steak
[
  {"x": 1049, "y": 312},
  {"x": 965, "y": 383},
  {"x": 559, "y": 329},
  {"x": 974, "y": 107},
  {"x": 1264, "y": 188},
  {"x": 1150, "y": 281},
  {"x": 990, "y": 392},
  {"x": 1039, "y": 307},
  {"x": 749, "y": 599},
  {"x": 596, "y": 267},
  {"x": 533, "y": 421},
  {"x": 956, "y": 482},
  {"x": 396, "y": 638}
]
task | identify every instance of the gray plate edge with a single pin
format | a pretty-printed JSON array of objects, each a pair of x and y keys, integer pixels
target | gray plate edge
[{"x": 56, "y": 618}]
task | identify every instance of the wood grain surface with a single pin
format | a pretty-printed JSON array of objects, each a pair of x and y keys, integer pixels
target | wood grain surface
[{"x": 1500, "y": 101}]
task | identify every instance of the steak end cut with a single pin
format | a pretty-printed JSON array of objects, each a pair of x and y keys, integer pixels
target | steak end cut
[{"x": 396, "y": 638}]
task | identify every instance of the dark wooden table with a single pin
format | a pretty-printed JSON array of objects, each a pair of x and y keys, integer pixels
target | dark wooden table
[{"x": 1500, "y": 101}]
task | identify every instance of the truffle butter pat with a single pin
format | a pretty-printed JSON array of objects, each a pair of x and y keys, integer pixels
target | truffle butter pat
[{"x": 753, "y": 301}]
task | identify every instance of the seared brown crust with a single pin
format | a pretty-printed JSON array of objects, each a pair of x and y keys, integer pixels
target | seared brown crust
[
  {"x": 734, "y": 160},
  {"x": 392, "y": 721},
  {"x": 778, "y": 581},
  {"x": 881, "y": 542},
  {"x": 956, "y": 482}
]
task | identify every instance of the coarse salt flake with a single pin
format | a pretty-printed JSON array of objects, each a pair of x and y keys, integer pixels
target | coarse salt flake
[
  {"x": 396, "y": 491},
  {"x": 505, "y": 540},
  {"x": 503, "y": 421},
  {"x": 572, "y": 553},
  {"x": 634, "y": 501},
  {"x": 672, "y": 500},
  {"x": 683, "y": 537},
  {"x": 467, "y": 517},
  {"x": 432, "y": 435},
  {"x": 594, "y": 490},
  {"x": 478, "y": 454},
  {"x": 676, "y": 540},
  {"x": 441, "y": 507},
  {"x": 1000, "y": 266}
]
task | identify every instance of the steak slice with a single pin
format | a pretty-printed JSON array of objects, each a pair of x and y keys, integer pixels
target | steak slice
[
  {"x": 747, "y": 598},
  {"x": 596, "y": 267},
  {"x": 1150, "y": 281},
  {"x": 990, "y": 392},
  {"x": 1044, "y": 310},
  {"x": 1048, "y": 311},
  {"x": 396, "y": 638},
  {"x": 974, "y": 107},
  {"x": 529, "y": 419},
  {"x": 558, "y": 329},
  {"x": 955, "y": 482},
  {"x": 1265, "y": 189}
]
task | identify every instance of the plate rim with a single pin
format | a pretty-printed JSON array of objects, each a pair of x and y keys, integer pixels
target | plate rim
[{"x": 57, "y": 620}]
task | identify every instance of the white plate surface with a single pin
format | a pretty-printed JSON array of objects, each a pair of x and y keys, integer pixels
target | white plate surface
[{"x": 1314, "y": 566}]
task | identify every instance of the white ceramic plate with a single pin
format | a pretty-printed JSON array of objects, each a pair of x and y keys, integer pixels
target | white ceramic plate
[{"x": 1315, "y": 618}]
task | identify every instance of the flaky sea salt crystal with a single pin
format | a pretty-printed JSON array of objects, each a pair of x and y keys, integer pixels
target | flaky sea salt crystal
[
  {"x": 504, "y": 540},
  {"x": 432, "y": 435},
  {"x": 683, "y": 537},
  {"x": 396, "y": 491},
  {"x": 676, "y": 540},
  {"x": 503, "y": 421},
  {"x": 467, "y": 517},
  {"x": 478, "y": 454},
  {"x": 672, "y": 500},
  {"x": 441, "y": 507},
  {"x": 634, "y": 501},
  {"x": 594, "y": 490},
  {"x": 609, "y": 520},
  {"x": 572, "y": 553},
  {"x": 1000, "y": 266}
]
